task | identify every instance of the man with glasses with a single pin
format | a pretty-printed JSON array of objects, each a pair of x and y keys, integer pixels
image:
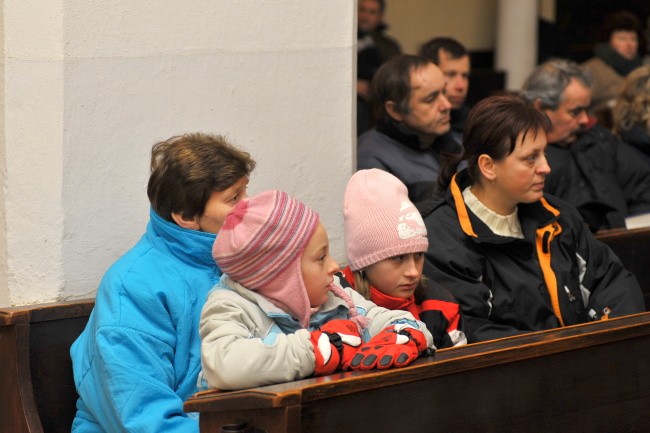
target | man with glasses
[{"x": 606, "y": 179}]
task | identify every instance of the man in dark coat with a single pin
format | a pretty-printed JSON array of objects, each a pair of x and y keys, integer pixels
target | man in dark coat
[
  {"x": 411, "y": 137},
  {"x": 605, "y": 178}
]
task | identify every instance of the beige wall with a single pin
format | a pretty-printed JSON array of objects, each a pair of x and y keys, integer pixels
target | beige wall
[{"x": 471, "y": 22}]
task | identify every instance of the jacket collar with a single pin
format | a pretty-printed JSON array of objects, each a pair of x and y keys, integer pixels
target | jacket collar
[
  {"x": 390, "y": 302},
  {"x": 588, "y": 138},
  {"x": 531, "y": 215},
  {"x": 190, "y": 246},
  {"x": 400, "y": 132},
  {"x": 406, "y": 136}
]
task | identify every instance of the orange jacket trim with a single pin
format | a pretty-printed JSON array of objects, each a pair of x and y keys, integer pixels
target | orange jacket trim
[
  {"x": 461, "y": 210},
  {"x": 544, "y": 237}
]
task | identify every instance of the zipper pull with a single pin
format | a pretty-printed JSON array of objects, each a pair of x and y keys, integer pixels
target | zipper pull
[{"x": 569, "y": 294}]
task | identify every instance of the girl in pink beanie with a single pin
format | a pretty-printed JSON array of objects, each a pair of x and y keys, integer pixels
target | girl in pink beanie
[
  {"x": 279, "y": 312},
  {"x": 385, "y": 241}
]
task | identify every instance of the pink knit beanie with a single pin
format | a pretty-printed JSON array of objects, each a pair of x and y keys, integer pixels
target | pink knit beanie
[
  {"x": 380, "y": 220},
  {"x": 260, "y": 246}
]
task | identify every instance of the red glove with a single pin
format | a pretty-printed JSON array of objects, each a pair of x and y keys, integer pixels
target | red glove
[
  {"x": 344, "y": 334},
  {"x": 334, "y": 343},
  {"x": 397, "y": 345},
  {"x": 327, "y": 356}
]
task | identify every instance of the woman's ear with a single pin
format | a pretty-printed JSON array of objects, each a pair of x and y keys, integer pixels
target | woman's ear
[
  {"x": 392, "y": 112},
  {"x": 486, "y": 167},
  {"x": 186, "y": 223}
]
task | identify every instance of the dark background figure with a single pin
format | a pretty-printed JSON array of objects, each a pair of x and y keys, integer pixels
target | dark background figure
[
  {"x": 579, "y": 25},
  {"x": 374, "y": 48},
  {"x": 614, "y": 58},
  {"x": 631, "y": 113}
]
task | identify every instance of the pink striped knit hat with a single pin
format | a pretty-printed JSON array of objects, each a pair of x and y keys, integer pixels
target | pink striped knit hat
[
  {"x": 260, "y": 246},
  {"x": 379, "y": 219}
]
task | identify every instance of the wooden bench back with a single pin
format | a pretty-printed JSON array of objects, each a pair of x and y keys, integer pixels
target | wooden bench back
[
  {"x": 590, "y": 377},
  {"x": 37, "y": 393},
  {"x": 633, "y": 248}
]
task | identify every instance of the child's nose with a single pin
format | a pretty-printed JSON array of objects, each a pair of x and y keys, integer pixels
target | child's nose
[
  {"x": 411, "y": 269},
  {"x": 333, "y": 267}
]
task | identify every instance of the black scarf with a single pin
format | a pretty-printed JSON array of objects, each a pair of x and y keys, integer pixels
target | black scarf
[{"x": 619, "y": 63}]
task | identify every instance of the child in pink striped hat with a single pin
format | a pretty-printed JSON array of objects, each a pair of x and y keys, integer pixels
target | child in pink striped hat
[{"x": 279, "y": 312}]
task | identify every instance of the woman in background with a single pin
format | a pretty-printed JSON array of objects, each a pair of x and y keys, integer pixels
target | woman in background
[
  {"x": 613, "y": 60},
  {"x": 632, "y": 110}
]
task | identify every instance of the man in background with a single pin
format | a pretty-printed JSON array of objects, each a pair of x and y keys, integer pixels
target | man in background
[
  {"x": 411, "y": 135},
  {"x": 373, "y": 49},
  {"x": 605, "y": 178},
  {"x": 453, "y": 60}
]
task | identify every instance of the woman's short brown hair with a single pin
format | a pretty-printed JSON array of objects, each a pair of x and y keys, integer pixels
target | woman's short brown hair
[
  {"x": 187, "y": 169},
  {"x": 495, "y": 123},
  {"x": 492, "y": 128}
]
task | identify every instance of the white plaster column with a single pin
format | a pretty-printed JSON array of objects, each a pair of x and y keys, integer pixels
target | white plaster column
[
  {"x": 89, "y": 87},
  {"x": 32, "y": 221},
  {"x": 516, "y": 40}
]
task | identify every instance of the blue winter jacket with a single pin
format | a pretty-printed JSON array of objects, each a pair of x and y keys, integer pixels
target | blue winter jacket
[{"x": 139, "y": 357}]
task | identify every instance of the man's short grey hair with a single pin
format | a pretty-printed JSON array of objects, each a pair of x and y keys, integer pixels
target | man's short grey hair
[{"x": 548, "y": 81}]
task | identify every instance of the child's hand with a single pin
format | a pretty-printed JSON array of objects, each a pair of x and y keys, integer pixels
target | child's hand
[
  {"x": 344, "y": 334},
  {"x": 327, "y": 356},
  {"x": 397, "y": 345},
  {"x": 335, "y": 343}
]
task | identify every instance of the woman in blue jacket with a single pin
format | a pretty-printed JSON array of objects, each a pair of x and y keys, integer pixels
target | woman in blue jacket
[{"x": 139, "y": 357}]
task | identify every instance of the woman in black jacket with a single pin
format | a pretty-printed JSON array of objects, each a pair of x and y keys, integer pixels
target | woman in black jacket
[{"x": 517, "y": 260}]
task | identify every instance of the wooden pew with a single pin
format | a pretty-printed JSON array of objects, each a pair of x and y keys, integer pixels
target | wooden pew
[
  {"x": 591, "y": 377},
  {"x": 633, "y": 248},
  {"x": 37, "y": 393}
]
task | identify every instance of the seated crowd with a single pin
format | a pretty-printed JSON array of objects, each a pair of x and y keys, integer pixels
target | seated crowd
[
  {"x": 225, "y": 291},
  {"x": 461, "y": 225}
]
